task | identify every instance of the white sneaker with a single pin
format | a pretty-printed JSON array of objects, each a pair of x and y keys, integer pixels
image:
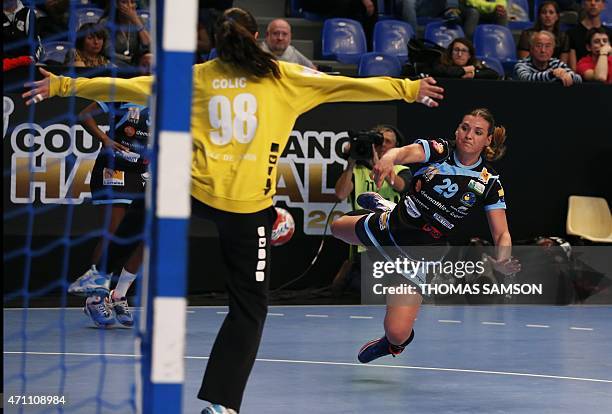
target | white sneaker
[
  {"x": 375, "y": 202},
  {"x": 92, "y": 282}
]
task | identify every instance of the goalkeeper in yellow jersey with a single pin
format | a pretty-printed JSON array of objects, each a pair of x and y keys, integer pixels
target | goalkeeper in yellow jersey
[{"x": 244, "y": 106}]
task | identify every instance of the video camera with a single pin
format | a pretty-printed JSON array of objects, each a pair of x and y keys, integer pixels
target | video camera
[{"x": 361, "y": 144}]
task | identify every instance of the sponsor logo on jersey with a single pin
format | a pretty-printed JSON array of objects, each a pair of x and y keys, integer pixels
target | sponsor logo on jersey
[
  {"x": 443, "y": 221},
  {"x": 468, "y": 199},
  {"x": 128, "y": 156},
  {"x": 484, "y": 175},
  {"x": 430, "y": 173},
  {"x": 477, "y": 187},
  {"x": 113, "y": 177},
  {"x": 383, "y": 219},
  {"x": 500, "y": 194},
  {"x": 439, "y": 148},
  {"x": 432, "y": 231},
  {"x": 129, "y": 131},
  {"x": 411, "y": 208},
  {"x": 134, "y": 114}
]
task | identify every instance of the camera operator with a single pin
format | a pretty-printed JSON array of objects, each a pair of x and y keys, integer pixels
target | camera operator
[{"x": 355, "y": 179}]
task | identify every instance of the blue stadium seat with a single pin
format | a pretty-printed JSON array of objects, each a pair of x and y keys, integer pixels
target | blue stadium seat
[
  {"x": 492, "y": 63},
  {"x": 391, "y": 37},
  {"x": 379, "y": 64},
  {"x": 524, "y": 22},
  {"x": 491, "y": 40},
  {"x": 55, "y": 52},
  {"x": 343, "y": 40},
  {"x": 442, "y": 33},
  {"x": 88, "y": 15}
]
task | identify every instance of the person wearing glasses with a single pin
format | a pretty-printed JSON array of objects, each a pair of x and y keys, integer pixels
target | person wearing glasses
[
  {"x": 541, "y": 66},
  {"x": 459, "y": 61}
]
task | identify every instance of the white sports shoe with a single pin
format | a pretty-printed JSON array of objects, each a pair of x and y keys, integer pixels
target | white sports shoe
[
  {"x": 91, "y": 283},
  {"x": 375, "y": 202}
]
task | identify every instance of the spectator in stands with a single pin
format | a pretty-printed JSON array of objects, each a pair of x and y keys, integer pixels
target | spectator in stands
[
  {"x": 210, "y": 11},
  {"x": 408, "y": 10},
  {"x": 592, "y": 18},
  {"x": 90, "y": 46},
  {"x": 598, "y": 65},
  {"x": 364, "y": 11},
  {"x": 483, "y": 11},
  {"x": 278, "y": 43},
  {"x": 131, "y": 38},
  {"x": 53, "y": 19},
  {"x": 540, "y": 66},
  {"x": 547, "y": 19},
  {"x": 459, "y": 61},
  {"x": 18, "y": 30},
  {"x": 355, "y": 180}
]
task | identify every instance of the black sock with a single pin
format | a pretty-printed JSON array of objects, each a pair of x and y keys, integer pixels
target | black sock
[{"x": 400, "y": 348}]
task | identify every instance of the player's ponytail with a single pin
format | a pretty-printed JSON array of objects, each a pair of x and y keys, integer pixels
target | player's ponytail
[
  {"x": 497, "y": 148},
  {"x": 236, "y": 44}
]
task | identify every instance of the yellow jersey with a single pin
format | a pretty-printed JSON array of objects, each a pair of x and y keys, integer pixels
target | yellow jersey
[{"x": 240, "y": 124}]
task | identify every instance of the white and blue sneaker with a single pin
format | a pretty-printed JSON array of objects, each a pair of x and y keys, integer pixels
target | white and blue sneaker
[
  {"x": 122, "y": 312},
  {"x": 99, "y": 310},
  {"x": 375, "y": 202},
  {"x": 218, "y": 409},
  {"x": 91, "y": 283}
]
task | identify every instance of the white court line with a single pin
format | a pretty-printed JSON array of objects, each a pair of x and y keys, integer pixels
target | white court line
[
  {"x": 344, "y": 364},
  {"x": 577, "y": 328},
  {"x": 448, "y": 321},
  {"x": 537, "y": 326},
  {"x": 308, "y": 315},
  {"x": 222, "y": 312},
  {"x": 275, "y": 314},
  {"x": 361, "y": 317},
  {"x": 494, "y": 323}
]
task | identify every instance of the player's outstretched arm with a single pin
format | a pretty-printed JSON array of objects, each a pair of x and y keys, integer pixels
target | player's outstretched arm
[{"x": 106, "y": 89}]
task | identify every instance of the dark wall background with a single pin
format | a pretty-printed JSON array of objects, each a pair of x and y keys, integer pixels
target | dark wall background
[{"x": 559, "y": 143}]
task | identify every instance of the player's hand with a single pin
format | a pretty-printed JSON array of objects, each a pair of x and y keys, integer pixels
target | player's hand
[
  {"x": 114, "y": 145},
  {"x": 428, "y": 91},
  {"x": 382, "y": 170},
  {"x": 506, "y": 267},
  {"x": 40, "y": 89}
]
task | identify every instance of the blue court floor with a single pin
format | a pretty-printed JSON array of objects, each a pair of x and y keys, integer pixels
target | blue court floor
[{"x": 528, "y": 359}]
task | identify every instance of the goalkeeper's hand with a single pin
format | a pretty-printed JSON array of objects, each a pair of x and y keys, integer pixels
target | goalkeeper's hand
[{"x": 39, "y": 89}]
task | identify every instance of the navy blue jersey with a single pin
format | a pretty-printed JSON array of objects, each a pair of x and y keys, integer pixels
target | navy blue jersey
[
  {"x": 131, "y": 125},
  {"x": 443, "y": 192}
]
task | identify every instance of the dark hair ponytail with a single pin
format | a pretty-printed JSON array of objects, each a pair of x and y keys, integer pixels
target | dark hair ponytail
[
  {"x": 497, "y": 148},
  {"x": 236, "y": 44}
]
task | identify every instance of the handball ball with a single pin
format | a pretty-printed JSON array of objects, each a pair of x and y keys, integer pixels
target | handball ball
[{"x": 283, "y": 228}]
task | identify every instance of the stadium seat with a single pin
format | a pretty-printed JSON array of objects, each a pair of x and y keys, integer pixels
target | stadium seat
[
  {"x": 442, "y": 33},
  {"x": 55, "y": 52},
  {"x": 521, "y": 8},
  {"x": 391, "y": 37},
  {"x": 589, "y": 218},
  {"x": 343, "y": 40},
  {"x": 379, "y": 64},
  {"x": 492, "y": 63},
  {"x": 491, "y": 40},
  {"x": 88, "y": 15}
]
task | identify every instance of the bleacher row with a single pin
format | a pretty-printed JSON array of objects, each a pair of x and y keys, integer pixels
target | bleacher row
[{"x": 340, "y": 43}]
